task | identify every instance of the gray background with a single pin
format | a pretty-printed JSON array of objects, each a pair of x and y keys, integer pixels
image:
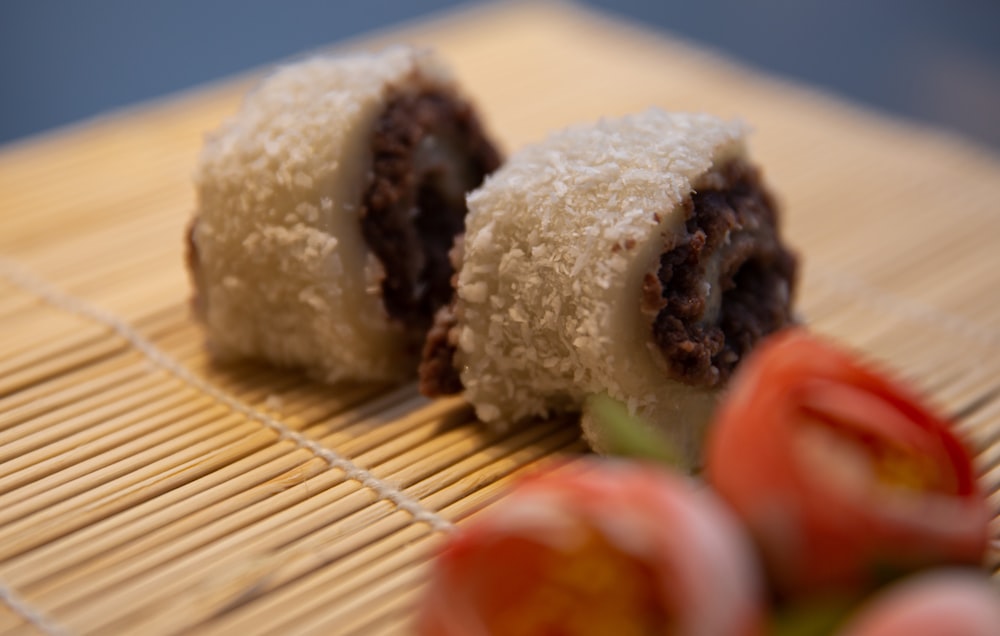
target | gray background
[{"x": 61, "y": 61}]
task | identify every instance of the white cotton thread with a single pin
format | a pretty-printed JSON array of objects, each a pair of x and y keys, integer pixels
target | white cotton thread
[
  {"x": 911, "y": 310},
  {"x": 30, "y": 614},
  {"x": 31, "y": 283}
]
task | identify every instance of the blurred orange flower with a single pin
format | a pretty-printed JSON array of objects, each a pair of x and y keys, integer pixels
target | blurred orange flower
[
  {"x": 596, "y": 548},
  {"x": 842, "y": 476},
  {"x": 938, "y": 603}
]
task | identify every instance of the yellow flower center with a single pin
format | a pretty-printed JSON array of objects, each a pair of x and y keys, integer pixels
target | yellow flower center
[
  {"x": 854, "y": 461},
  {"x": 592, "y": 589}
]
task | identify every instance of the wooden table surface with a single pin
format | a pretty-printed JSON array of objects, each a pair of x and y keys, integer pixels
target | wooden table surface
[{"x": 145, "y": 490}]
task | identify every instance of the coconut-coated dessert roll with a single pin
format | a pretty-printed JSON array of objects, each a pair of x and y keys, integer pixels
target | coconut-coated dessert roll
[
  {"x": 326, "y": 209},
  {"x": 639, "y": 257}
]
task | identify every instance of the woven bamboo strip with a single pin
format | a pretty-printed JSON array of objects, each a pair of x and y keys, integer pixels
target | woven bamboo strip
[
  {"x": 122, "y": 436},
  {"x": 156, "y": 478},
  {"x": 58, "y": 332},
  {"x": 374, "y": 440},
  {"x": 168, "y": 442},
  {"x": 990, "y": 481},
  {"x": 20, "y": 356},
  {"x": 156, "y": 272},
  {"x": 168, "y": 321},
  {"x": 91, "y": 353},
  {"x": 10, "y": 621},
  {"x": 938, "y": 289},
  {"x": 172, "y": 532},
  {"x": 64, "y": 390},
  {"x": 983, "y": 424},
  {"x": 75, "y": 423},
  {"x": 388, "y": 622},
  {"x": 164, "y": 290},
  {"x": 337, "y": 531},
  {"x": 895, "y": 330},
  {"x": 352, "y": 555},
  {"x": 908, "y": 314},
  {"x": 964, "y": 300},
  {"x": 107, "y": 143},
  {"x": 368, "y": 415},
  {"x": 160, "y": 522},
  {"x": 398, "y": 605},
  {"x": 449, "y": 447},
  {"x": 435, "y": 464},
  {"x": 23, "y": 376},
  {"x": 355, "y": 607},
  {"x": 990, "y": 456},
  {"x": 972, "y": 392},
  {"x": 371, "y": 581},
  {"x": 46, "y": 395},
  {"x": 180, "y": 575},
  {"x": 848, "y": 291},
  {"x": 900, "y": 341},
  {"x": 891, "y": 337},
  {"x": 23, "y": 247},
  {"x": 160, "y": 274},
  {"x": 138, "y": 239},
  {"x": 33, "y": 318},
  {"x": 159, "y": 290},
  {"x": 940, "y": 262},
  {"x": 13, "y": 300},
  {"x": 14, "y": 303},
  {"x": 874, "y": 203},
  {"x": 105, "y": 195},
  {"x": 13, "y": 623},
  {"x": 341, "y": 586},
  {"x": 59, "y": 424},
  {"x": 68, "y": 466},
  {"x": 180, "y": 442}
]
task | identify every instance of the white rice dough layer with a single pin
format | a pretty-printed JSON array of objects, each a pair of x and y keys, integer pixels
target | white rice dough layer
[
  {"x": 557, "y": 244},
  {"x": 282, "y": 271}
]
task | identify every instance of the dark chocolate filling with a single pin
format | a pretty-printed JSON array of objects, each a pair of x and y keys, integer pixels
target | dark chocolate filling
[
  {"x": 437, "y": 372},
  {"x": 438, "y": 375},
  {"x": 193, "y": 262},
  {"x": 732, "y": 219},
  {"x": 428, "y": 150}
]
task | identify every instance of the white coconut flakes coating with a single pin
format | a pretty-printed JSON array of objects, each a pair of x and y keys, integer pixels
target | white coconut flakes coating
[
  {"x": 283, "y": 272},
  {"x": 557, "y": 244}
]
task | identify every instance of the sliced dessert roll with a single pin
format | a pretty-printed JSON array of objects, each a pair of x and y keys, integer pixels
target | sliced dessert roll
[
  {"x": 639, "y": 257},
  {"x": 326, "y": 209}
]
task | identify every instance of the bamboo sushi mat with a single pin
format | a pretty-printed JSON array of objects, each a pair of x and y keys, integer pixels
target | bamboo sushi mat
[{"x": 145, "y": 491}]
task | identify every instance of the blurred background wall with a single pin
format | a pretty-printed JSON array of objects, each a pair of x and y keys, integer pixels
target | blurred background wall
[{"x": 65, "y": 60}]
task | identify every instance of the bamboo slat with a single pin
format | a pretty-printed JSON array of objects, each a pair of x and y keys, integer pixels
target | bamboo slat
[{"x": 145, "y": 489}]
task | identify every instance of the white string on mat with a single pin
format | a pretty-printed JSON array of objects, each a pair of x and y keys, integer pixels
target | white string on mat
[
  {"x": 30, "y": 614},
  {"x": 31, "y": 283},
  {"x": 911, "y": 310}
]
